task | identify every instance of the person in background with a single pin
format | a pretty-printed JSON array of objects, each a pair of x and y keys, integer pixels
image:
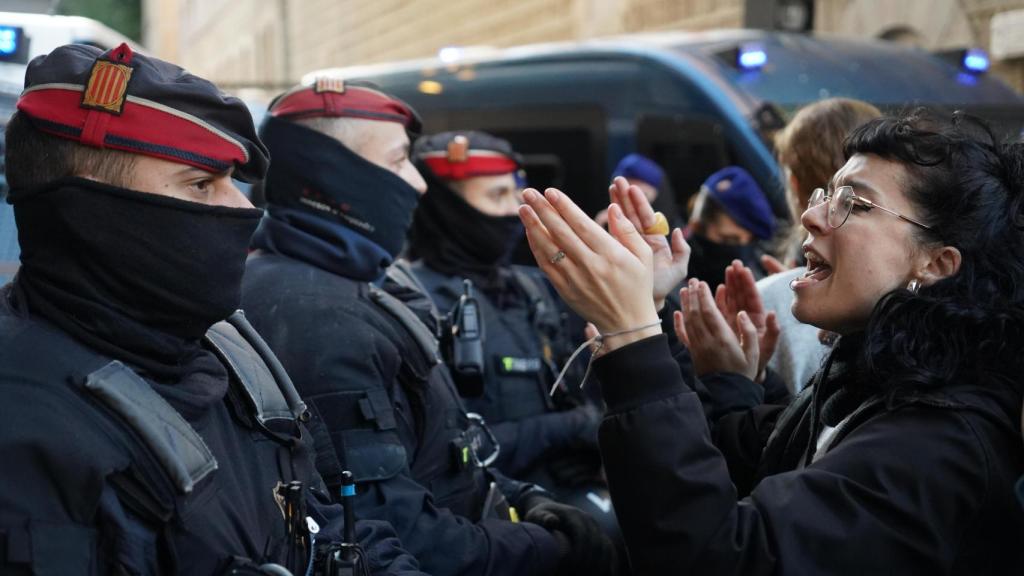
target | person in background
[
  {"x": 810, "y": 150},
  {"x": 730, "y": 216},
  {"x": 642, "y": 172},
  {"x": 639, "y": 171},
  {"x": 464, "y": 230}
]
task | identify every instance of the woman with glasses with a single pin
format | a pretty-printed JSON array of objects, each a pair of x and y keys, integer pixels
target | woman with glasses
[{"x": 901, "y": 458}]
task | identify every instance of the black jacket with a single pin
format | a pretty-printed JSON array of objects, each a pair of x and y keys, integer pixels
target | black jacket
[
  {"x": 526, "y": 340},
  {"x": 389, "y": 412},
  {"x": 919, "y": 486},
  {"x": 87, "y": 492}
]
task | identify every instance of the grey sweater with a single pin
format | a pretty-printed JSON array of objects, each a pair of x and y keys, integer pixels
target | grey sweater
[{"x": 799, "y": 353}]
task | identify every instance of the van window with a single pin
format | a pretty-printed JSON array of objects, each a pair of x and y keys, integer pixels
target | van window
[{"x": 688, "y": 148}]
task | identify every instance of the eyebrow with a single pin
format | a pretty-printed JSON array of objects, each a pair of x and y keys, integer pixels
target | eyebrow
[{"x": 857, "y": 185}]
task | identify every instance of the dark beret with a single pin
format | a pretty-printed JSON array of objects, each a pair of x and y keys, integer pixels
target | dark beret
[
  {"x": 136, "y": 103},
  {"x": 336, "y": 98}
]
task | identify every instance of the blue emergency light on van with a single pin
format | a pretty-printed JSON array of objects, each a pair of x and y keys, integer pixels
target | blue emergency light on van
[
  {"x": 975, "y": 60},
  {"x": 9, "y": 40},
  {"x": 13, "y": 44},
  {"x": 751, "y": 56}
]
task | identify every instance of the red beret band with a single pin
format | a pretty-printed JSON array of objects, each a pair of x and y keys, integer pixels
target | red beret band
[
  {"x": 143, "y": 126},
  {"x": 476, "y": 163}
]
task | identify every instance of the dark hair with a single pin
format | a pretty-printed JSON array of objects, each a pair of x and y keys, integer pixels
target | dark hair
[
  {"x": 34, "y": 158},
  {"x": 970, "y": 190}
]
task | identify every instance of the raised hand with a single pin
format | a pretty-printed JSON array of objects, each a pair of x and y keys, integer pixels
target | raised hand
[
  {"x": 671, "y": 255},
  {"x": 713, "y": 344},
  {"x": 739, "y": 294},
  {"x": 606, "y": 277}
]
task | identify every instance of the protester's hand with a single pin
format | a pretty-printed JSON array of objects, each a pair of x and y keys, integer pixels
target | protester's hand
[
  {"x": 586, "y": 550},
  {"x": 772, "y": 265},
  {"x": 713, "y": 344},
  {"x": 739, "y": 293},
  {"x": 606, "y": 278},
  {"x": 671, "y": 255}
]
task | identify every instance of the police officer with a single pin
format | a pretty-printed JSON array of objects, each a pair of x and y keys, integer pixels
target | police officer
[
  {"x": 465, "y": 229},
  {"x": 341, "y": 192},
  {"x": 140, "y": 432}
]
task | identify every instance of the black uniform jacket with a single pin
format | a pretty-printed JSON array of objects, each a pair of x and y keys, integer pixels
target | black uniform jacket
[
  {"x": 85, "y": 493},
  {"x": 524, "y": 343},
  {"x": 387, "y": 416},
  {"x": 923, "y": 486}
]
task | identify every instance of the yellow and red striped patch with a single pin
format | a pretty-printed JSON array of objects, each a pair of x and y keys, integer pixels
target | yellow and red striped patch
[
  {"x": 107, "y": 87},
  {"x": 329, "y": 85}
]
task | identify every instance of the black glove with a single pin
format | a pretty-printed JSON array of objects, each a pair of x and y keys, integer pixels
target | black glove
[
  {"x": 586, "y": 550},
  {"x": 587, "y": 419}
]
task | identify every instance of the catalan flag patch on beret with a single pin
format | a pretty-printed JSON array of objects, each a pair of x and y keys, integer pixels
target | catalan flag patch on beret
[{"x": 107, "y": 86}]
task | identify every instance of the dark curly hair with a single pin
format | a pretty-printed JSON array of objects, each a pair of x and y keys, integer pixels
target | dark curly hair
[{"x": 969, "y": 189}]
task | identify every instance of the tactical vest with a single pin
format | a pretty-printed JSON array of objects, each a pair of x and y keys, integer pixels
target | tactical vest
[
  {"x": 523, "y": 343},
  {"x": 451, "y": 448},
  {"x": 404, "y": 419},
  {"x": 141, "y": 464}
]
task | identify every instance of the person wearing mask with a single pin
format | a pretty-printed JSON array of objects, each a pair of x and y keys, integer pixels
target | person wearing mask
[
  {"x": 810, "y": 150},
  {"x": 465, "y": 229},
  {"x": 144, "y": 426},
  {"x": 363, "y": 350},
  {"x": 730, "y": 216},
  {"x": 901, "y": 457}
]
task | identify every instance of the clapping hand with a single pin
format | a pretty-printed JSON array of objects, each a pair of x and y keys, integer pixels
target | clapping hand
[
  {"x": 737, "y": 306},
  {"x": 739, "y": 293},
  {"x": 713, "y": 344},
  {"x": 606, "y": 277},
  {"x": 671, "y": 255}
]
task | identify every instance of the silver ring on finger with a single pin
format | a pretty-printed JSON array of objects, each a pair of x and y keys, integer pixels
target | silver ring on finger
[{"x": 557, "y": 257}]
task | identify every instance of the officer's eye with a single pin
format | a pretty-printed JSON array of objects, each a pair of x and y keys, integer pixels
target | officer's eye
[{"x": 202, "y": 187}]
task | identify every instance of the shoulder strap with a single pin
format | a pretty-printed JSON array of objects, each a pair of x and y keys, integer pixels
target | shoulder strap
[
  {"x": 544, "y": 312},
  {"x": 419, "y": 331},
  {"x": 267, "y": 387},
  {"x": 401, "y": 272},
  {"x": 180, "y": 450}
]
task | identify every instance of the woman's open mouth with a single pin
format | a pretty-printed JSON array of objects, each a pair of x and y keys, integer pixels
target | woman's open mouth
[{"x": 817, "y": 270}]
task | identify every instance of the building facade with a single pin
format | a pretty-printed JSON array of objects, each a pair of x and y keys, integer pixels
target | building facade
[{"x": 272, "y": 43}]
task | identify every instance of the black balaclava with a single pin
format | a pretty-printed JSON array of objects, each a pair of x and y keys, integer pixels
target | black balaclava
[
  {"x": 709, "y": 259},
  {"x": 452, "y": 237},
  {"x": 138, "y": 276},
  {"x": 314, "y": 174}
]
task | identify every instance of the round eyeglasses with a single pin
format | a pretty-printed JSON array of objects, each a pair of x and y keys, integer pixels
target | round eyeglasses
[{"x": 842, "y": 201}]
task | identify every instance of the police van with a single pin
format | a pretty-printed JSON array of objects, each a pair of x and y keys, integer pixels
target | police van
[
  {"x": 694, "y": 102},
  {"x": 23, "y": 36}
]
